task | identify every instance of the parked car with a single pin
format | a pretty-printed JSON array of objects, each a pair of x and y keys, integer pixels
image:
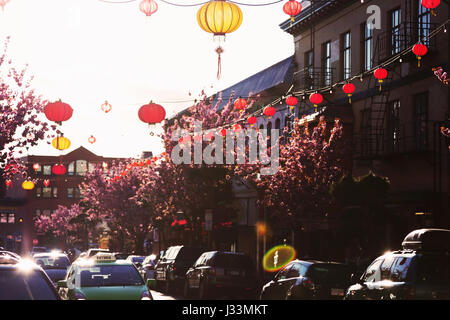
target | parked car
[
  {"x": 35, "y": 250},
  {"x": 218, "y": 273},
  {"x": 147, "y": 270},
  {"x": 305, "y": 280},
  {"x": 102, "y": 277},
  {"x": 9, "y": 253},
  {"x": 136, "y": 260},
  {"x": 21, "y": 279},
  {"x": 421, "y": 270},
  {"x": 54, "y": 264},
  {"x": 171, "y": 268}
]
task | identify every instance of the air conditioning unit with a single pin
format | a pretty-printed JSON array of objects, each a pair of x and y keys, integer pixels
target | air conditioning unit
[{"x": 428, "y": 240}]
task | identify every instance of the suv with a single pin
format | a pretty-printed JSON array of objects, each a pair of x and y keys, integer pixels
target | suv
[
  {"x": 171, "y": 268},
  {"x": 421, "y": 270},
  {"x": 229, "y": 273}
]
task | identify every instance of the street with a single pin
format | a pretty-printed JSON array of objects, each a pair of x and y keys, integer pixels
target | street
[{"x": 161, "y": 296}]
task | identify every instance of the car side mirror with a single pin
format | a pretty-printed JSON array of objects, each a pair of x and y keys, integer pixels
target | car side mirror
[
  {"x": 62, "y": 284},
  {"x": 151, "y": 283}
]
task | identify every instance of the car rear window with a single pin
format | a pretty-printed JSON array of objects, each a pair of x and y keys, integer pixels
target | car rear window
[
  {"x": 329, "y": 273},
  {"x": 49, "y": 262},
  {"x": 190, "y": 253},
  {"x": 29, "y": 285},
  {"x": 434, "y": 269},
  {"x": 230, "y": 260},
  {"x": 103, "y": 275}
]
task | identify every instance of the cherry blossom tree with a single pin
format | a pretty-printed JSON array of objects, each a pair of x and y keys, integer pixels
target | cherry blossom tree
[{"x": 20, "y": 108}]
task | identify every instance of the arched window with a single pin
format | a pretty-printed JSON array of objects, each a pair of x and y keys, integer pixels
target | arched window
[{"x": 81, "y": 167}]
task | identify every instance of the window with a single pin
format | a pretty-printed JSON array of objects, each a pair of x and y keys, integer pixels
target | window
[
  {"x": 400, "y": 269},
  {"x": 3, "y": 218},
  {"x": 46, "y": 193},
  {"x": 46, "y": 212},
  {"x": 70, "y": 193},
  {"x": 11, "y": 218},
  {"x": 373, "y": 272},
  {"x": 367, "y": 47},
  {"x": 346, "y": 55},
  {"x": 394, "y": 124},
  {"x": 283, "y": 273},
  {"x": 38, "y": 192},
  {"x": 81, "y": 167},
  {"x": 55, "y": 192},
  {"x": 326, "y": 63},
  {"x": 300, "y": 269},
  {"x": 7, "y": 217},
  {"x": 396, "y": 18},
  {"x": 91, "y": 166},
  {"x": 47, "y": 170},
  {"x": 71, "y": 169},
  {"x": 309, "y": 69},
  {"x": 421, "y": 120},
  {"x": 39, "y": 171},
  {"x": 424, "y": 17},
  {"x": 386, "y": 268}
]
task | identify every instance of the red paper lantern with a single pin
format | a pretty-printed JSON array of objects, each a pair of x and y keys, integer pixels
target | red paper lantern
[
  {"x": 380, "y": 74},
  {"x": 292, "y": 8},
  {"x": 148, "y": 7},
  {"x": 46, "y": 183},
  {"x": 269, "y": 111},
  {"x": 237, "y": 128},
  {"x": 240, "y": 104},
  {"x": 8, "y": 183},
  {"x": 58, "y": 111},
  {"x": 152, "y": 113},
  {"x": 349, "y": 88},
  {"x": 59, "y": 169},
  {"x": 291, "y": 101},
  {"x": 106, "y": 107},
  {"x": 316, "y": 99},
  {"x": 35, "y": 242},
  {"x": 36, "y": 166},
  {"x": 431, "y": 4},
  {"x": 92, "y": 139},
  {"x": 420, "y": 50},
  {"x": 252, "y": 120},
  {"x": 223, "y": 132}
]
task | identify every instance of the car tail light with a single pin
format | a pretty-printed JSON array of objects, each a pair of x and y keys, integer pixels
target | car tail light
[
  {"x": 79, "y": 296},
  {"x": 146, "y": 295},
  {"x": 308, "y": 284}
]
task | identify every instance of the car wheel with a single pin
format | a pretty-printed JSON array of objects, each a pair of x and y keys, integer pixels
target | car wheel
[{"x": 203, "y": 291}]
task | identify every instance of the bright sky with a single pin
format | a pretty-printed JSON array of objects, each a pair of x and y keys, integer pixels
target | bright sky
[{"x": 87, "y": 51}]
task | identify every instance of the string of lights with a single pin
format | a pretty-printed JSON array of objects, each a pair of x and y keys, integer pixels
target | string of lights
[{"x": 196, "y": 4}]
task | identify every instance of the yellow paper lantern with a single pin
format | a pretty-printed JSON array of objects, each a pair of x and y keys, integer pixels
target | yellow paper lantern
[
  {"x": 28, "y": 185},
  {"x": 219, "y": 17},
  {"x": 61, "y": 143}
]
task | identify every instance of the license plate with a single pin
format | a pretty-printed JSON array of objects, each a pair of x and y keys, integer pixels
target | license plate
[{"x": 337, "y": 292}]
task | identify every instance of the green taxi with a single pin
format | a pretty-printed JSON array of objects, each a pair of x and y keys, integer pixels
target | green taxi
[{"x": 102, "y": 277}]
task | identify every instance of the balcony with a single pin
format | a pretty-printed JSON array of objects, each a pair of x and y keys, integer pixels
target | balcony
[
  {"x": 412, "y": 137},
  {"x": 404, "y": 36},
  {"x": 312, "y": 78}
]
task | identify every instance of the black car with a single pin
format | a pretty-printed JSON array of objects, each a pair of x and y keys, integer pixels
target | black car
[
  {"x": 54, "y": 264},
  {"x": 305, "y": 280},
  {"x": 421, "y": 270},
  {"x": 24, "y": 280},
  {"x": 218, "y": 273},
  {"x": 171, "y": 268}
]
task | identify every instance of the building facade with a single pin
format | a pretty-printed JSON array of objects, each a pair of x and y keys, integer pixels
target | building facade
[
  {"x": 396, "y": 129},
  {"x": 18, "y": 207}
]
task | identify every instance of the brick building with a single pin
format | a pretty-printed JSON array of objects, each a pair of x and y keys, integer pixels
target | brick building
[
  {"x": 395, "y": 131},
  {"x": 18, "y": 207}
]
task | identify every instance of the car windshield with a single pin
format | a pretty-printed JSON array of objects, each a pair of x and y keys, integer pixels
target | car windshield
[
  {"x": 114, "y": 275},
  {"x": 434, "y": 269},
  {"x": 329, "y": 273},
  {"x": 233, "y": 261},
  {"x": 29, "y": 285},
  {"x": 53, "y": 262}
]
